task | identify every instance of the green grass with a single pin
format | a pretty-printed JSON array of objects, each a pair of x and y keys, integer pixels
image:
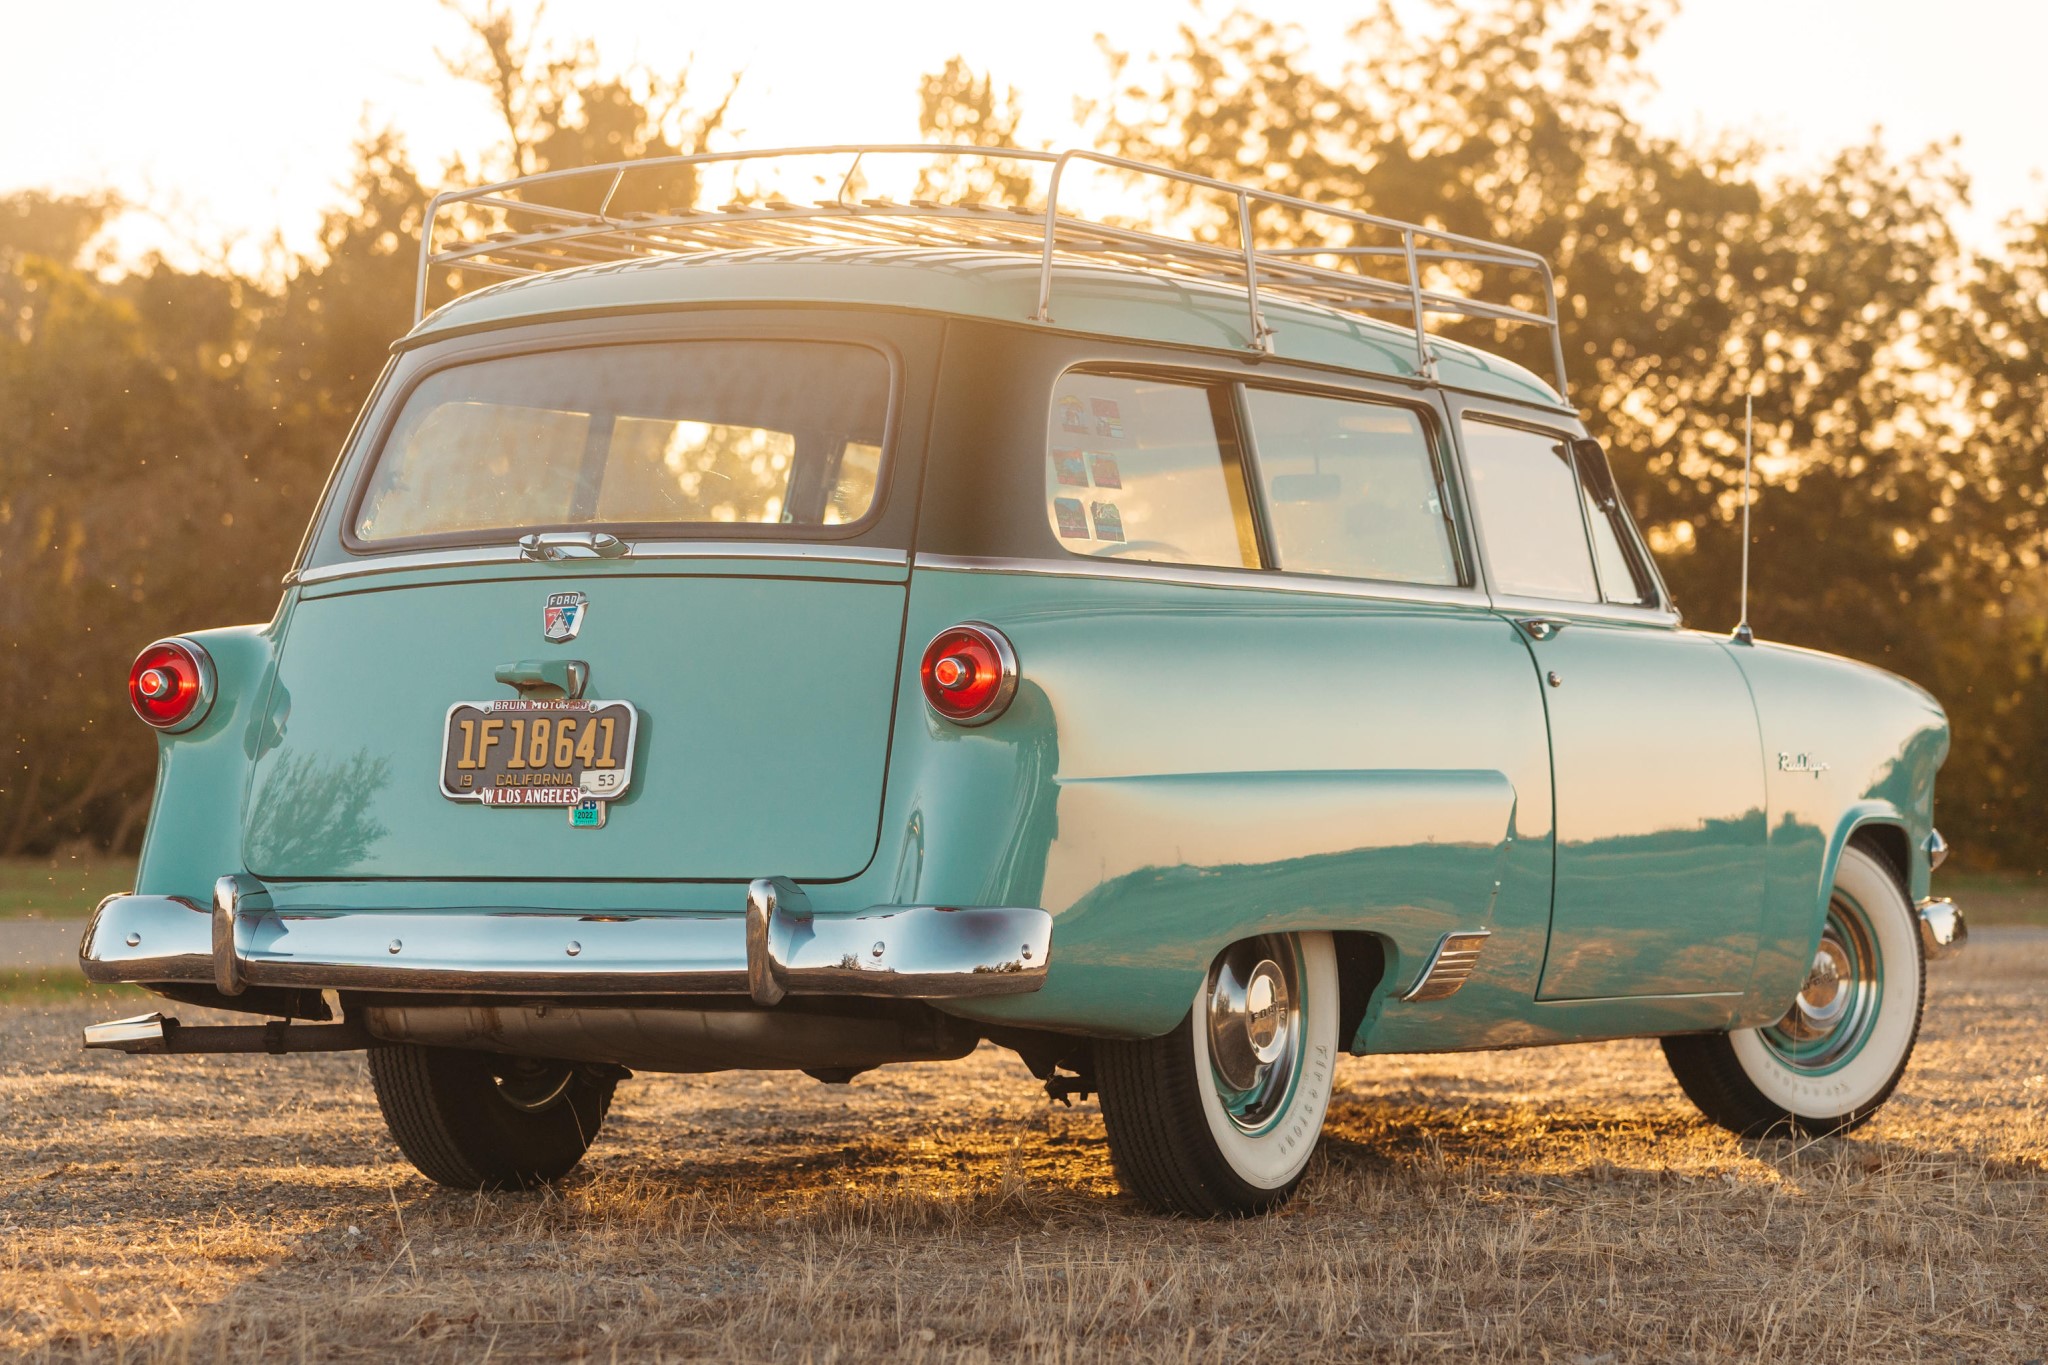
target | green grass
[
  {"x": 60, "y": 888},
  {"x": 1997, "y": 897},
  {"x": 68, "y": 888},
  {"x": 62, "y": 983}
]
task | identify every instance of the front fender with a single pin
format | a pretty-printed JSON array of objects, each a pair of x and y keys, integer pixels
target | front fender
[{"x": 1846, "y": 748}]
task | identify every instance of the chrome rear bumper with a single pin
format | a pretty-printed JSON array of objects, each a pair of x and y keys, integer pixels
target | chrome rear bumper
[{"x": 778, "y": 948}]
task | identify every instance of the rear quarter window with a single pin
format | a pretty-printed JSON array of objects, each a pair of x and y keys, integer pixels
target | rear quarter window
[{"x": 1143, "y": 469}]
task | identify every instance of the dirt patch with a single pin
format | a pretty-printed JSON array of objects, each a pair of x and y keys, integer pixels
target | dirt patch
[{"x": 1559, "y": 1205}]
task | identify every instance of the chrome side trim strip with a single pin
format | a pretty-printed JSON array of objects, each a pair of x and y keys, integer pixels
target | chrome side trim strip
[
  {"x": 1254, "y": 580},
  {"x": 1943, "y": 930},
  {"x": 909, "y": 952},
  {"x": 476, "y": 555},
  {"x": 1450, "y": 966},
  {"x": 1565, "y": 612}
]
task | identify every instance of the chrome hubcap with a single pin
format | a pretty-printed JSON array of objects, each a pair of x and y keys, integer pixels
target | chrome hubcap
[
  {"x": 1254, "y": 1028},
  {"x": 1836, "y": 1007},
  {"x": 532, "y": 1086}
]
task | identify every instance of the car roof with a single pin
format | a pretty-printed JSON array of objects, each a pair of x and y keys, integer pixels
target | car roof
[{"x": 1089, "y": 296}]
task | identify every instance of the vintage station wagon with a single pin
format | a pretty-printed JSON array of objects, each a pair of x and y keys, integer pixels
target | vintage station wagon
[{"x": 821, "y": 634}]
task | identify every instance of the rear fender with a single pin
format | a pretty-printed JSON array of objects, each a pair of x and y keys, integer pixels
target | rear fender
[{"x": 202, "y": 775}]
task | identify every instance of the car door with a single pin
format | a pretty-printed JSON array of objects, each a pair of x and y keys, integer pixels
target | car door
[{"x": 1656, "y": 757}]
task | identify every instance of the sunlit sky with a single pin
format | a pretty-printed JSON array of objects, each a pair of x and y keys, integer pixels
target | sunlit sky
[{"x": 231, "y": 120}]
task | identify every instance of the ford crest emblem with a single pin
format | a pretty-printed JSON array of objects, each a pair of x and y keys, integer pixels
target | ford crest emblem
[{"x": 563, "y": 616}]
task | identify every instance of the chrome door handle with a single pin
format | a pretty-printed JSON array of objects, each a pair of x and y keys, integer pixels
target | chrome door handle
[
  {"x": 560, "y": 544},
  {"x": 1541, "y": 627}
]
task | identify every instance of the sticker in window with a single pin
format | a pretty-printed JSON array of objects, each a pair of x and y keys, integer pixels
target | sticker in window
[
  {"x": 1069, "y": 468},
  {"x": 1103, "y": 467},
  {"x": 1109, "y": 523},
  {"x": 1074, "y": 414},
  {"x": 1108, "y": 418},
  {"x": 1073, "y": 521}
]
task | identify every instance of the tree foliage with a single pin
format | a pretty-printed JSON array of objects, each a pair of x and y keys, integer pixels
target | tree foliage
[
  {"x": 1898, "y": 396},
  {"x": 164, "y": 432}
]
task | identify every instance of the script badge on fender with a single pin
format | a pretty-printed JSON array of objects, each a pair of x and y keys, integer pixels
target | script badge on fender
[{"x": 563, "y": 616}]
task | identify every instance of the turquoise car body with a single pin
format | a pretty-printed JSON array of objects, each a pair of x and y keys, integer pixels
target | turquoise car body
[{"x": 1645, "y": 818}]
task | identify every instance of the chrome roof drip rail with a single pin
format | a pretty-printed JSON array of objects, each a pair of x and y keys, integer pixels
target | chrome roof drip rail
[{"x": 1362, "y": 263}]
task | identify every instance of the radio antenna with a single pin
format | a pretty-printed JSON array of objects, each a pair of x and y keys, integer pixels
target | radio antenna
[{"x": 1743, "y": 634}]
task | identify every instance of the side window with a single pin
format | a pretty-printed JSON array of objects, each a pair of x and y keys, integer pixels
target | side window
[
  {"x": 1143, "y": 469},
  {"x": 1527, "y": 496},
  {"x": 1351, "y": 489},
  {"x": 1623, "y": 579}
]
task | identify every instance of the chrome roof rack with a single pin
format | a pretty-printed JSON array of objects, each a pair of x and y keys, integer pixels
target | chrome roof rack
[{"x": 1338, "y": 258}]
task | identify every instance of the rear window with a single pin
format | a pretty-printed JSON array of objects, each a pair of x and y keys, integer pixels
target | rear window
[{"x": 644, "y": 436}]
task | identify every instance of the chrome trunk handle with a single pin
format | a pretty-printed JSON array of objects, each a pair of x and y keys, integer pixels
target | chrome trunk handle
[
  {"x": 546, "y": 678},
  {"x": 572, "y": 545}
]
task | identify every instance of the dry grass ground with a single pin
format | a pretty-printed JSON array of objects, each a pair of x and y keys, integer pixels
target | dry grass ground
[{"x": 1561, "y": 1205}]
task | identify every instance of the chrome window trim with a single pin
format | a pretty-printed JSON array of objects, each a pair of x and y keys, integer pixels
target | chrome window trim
[
  {"x": 1196, "y": 576},
  {"x": 472, "y": 555},
  {"x": 1612, "y": 613}
]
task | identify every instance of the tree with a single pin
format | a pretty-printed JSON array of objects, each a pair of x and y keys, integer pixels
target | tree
[
  {"x": 561, "y": 109},
  {"x": 959, "y": 108},
  {"x": 1689, "y": 279},
  {"x": 165, "y": 433}
]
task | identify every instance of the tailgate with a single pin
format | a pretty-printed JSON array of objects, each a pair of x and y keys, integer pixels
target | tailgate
[{"x": 764, "y": 698}]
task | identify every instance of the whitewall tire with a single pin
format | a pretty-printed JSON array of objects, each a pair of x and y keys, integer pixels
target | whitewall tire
[
  {"x": 1221, "y": 1116},
  {"x": 1844, "y": 1041}
]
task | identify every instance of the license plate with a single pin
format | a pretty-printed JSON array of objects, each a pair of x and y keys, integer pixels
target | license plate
[{"x": 514, "y": 752}]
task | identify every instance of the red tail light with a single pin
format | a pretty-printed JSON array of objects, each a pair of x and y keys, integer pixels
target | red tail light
[
  {"x": 171, "y": 685},
  {"x": 969, "y": 673}
]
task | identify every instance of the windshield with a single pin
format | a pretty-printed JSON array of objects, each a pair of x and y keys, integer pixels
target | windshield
[{"x": 649, "y": 435}]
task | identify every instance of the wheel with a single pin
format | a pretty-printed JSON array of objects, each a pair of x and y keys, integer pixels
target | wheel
[
  {"x": 1842, "y": 1046},
  {"x": 1220, "y": 1116},
  {"x": 480, "y": 1121}
]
